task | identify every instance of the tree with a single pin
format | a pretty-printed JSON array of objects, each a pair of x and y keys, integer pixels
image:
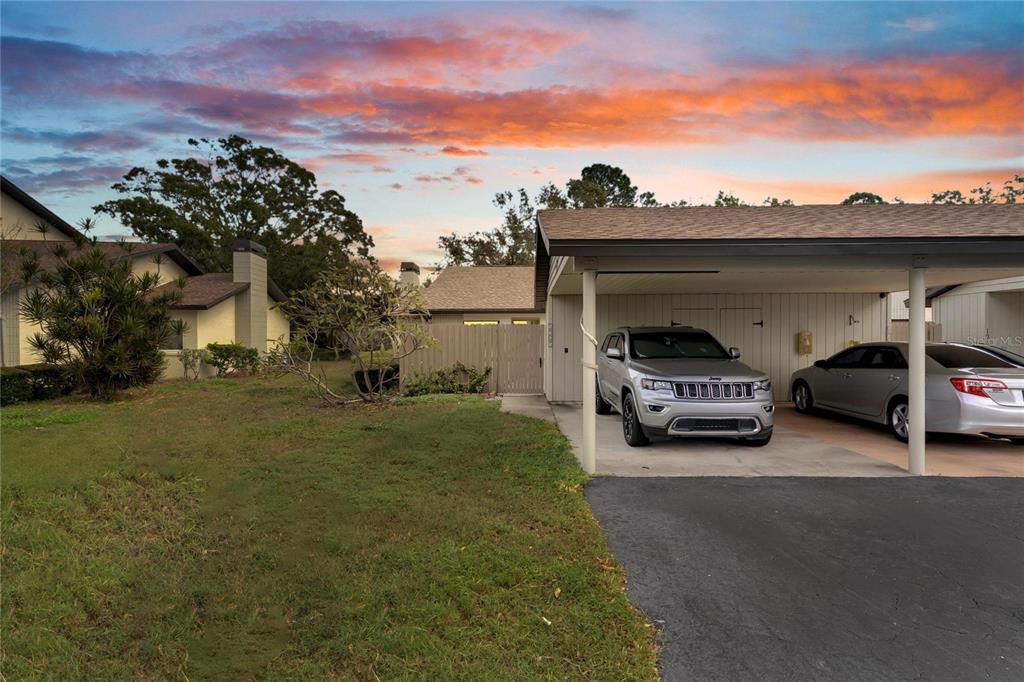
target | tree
[
  {"x": 1012, "y": 190},
  {"x": 511, "y": 243},
  {"x": 99, "y": 321},
  {"x": 356, "y": 309},
  {"x": 727, "y": 200},
  {"x": 237, "y": 190},
  {"x": 862, "y": 198},
  {"x": 775, "y": 201},
  {"x": 601, "y": 185}
]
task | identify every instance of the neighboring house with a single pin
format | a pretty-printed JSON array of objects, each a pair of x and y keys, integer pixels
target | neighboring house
[
  {"x": 217, "y": 307},
  {"x": 988, "y": 311},
  {"x": 480, "y": 295}
]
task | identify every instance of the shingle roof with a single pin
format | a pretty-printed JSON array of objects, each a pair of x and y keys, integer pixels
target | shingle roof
[
  {"x": 784, "y": 222},
  {"x": 29, "y": 202},
  {"x": 483, "y": 288},
  {"x": 204, "y": 291},
  {"x": 15, "y": 250}
]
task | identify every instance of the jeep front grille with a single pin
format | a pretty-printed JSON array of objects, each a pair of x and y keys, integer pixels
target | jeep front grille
[{"x": 714, "y": 390}]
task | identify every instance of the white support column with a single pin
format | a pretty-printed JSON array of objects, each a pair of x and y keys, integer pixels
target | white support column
[
  {"x": 589, "y": 462},
  {"x": 916, "y": 361}
]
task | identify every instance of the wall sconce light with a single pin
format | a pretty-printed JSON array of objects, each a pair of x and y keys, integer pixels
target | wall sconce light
[{"x": 853, "y": 320}]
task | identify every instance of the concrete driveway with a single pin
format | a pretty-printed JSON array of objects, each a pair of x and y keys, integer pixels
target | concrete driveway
[
  {"x": 804, "y": 445},
  {"x": 823, "y": 578},
  {"x": 791, "y": 453}
]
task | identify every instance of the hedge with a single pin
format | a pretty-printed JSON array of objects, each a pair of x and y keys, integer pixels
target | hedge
[{"x": 26, "y": 383}]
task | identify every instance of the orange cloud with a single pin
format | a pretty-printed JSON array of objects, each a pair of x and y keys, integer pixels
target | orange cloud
[{"x": 900, "y": 97}]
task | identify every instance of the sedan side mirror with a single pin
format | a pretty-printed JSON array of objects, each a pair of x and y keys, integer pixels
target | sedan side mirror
[
  {"x": 821, "y": 364},
  {"x": 613, "y": 354},
  {"x": 734, "y": 352}
]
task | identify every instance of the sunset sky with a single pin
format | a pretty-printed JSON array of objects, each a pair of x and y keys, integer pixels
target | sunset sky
[{"x": 419, "y": 113}]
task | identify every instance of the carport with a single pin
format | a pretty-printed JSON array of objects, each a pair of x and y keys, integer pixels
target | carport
[{"x": 757, "y": 277}]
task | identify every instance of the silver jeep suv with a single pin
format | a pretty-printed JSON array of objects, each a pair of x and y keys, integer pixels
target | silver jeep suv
[{"x": 680, "y": 381}]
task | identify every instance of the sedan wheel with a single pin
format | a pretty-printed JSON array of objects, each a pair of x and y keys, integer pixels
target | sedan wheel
[
  {"x": 899, "y": 421},
  {"x": 802, "y": 397}
]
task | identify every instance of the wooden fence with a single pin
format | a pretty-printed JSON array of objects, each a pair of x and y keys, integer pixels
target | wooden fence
[{"x": 513, "y": 352}]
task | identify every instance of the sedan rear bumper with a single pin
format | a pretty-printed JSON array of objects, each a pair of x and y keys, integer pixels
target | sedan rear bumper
[{"x": 975, "y": 415}]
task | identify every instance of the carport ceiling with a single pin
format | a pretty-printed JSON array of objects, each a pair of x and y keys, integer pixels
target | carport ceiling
[
  {"x": 770, "y": 281},
  {"x": 732, "y": 282}
]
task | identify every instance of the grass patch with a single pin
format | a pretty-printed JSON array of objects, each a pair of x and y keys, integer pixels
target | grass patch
[{"x": 237, "y": 529}]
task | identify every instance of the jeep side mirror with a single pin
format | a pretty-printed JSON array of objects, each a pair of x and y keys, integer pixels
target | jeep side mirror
[
  {"x": 734, "y": 352},
  {"x": 821, "y": 364},
  {"x": 613, "y": 354}
]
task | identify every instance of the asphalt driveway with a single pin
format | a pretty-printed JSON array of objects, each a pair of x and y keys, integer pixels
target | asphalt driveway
[{"x": 824, "y": 578}]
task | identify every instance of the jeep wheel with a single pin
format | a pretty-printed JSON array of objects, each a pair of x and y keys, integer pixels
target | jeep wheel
[
  {"x": 632, "y": 429},
  {"x": 601, "y": 406}
]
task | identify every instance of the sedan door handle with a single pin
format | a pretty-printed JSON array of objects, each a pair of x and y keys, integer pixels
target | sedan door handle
[{"x": 847, "y": 375}]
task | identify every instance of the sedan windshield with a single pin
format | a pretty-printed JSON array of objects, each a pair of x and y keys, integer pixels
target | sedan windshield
[
  {"x": 954, "y": 357},
  {"x": 672, "y": 344}
]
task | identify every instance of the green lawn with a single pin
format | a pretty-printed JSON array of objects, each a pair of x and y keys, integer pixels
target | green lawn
[{"x": 236, "y": 529}]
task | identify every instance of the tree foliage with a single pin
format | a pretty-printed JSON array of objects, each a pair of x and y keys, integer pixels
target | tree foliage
[
  {"x": 511, "y": 243},
  {"x": 1013, "y": 189},
  {"x": 358, "y": 310},
  {"x": 230, "y": 189},
  {"x": 862, "y": 198},
  {"x": 99, "y": 321}
]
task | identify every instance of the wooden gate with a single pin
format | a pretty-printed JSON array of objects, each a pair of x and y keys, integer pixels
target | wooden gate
[{"x": 513, "y": 352}]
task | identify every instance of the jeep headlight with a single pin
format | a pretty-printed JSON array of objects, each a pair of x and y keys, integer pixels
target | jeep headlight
[
  {"x": 656, "y": 385},
  {"x": 763, "y": 385}
]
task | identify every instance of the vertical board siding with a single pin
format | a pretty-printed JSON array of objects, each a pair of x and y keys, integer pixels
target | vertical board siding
[
  {"x": 962, "y": 317},
  {"x": 11, "y": 320},
  {"x": 513, "y": 352},
  {"x": 1006, "y": 320},
  {"x": 826, "y": 316}
]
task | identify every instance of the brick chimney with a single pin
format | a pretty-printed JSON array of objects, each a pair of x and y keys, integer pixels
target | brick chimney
[
  {"x": 409, "y": 273},
  {"x": 249, "y": 264}
]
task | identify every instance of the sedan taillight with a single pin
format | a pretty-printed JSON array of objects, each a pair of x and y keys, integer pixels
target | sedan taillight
[{"x": 979, "y": 387}]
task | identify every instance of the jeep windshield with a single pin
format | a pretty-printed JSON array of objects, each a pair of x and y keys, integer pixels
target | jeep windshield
[{"x": 672, "y": 344}]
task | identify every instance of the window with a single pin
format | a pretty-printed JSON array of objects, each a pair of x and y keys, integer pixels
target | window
[
  {"x": 850, "y": 358},
  {"x": 886, "y": 358},
  {"x": 172, "y": 342},
  {"x": 675, "y": 344},
  {"x": 964, "y": 356},
  {"x": 476, "y": 322}
]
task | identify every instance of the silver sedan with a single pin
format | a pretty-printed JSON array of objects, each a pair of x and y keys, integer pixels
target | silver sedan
[{"x": 968, "y": 390}]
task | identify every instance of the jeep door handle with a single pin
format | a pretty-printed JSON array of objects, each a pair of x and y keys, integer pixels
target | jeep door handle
[
  {"x": 894, "y": 377},
  {"x": 847, "y": 375}
]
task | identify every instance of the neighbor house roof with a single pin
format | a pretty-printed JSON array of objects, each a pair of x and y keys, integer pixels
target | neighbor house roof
[
  {"x": 26, "y": 200},
  {"x": 873, "y": 221},
  {"x": 46, "y": 252},
  {"x": 482, "y": 288},
  {"x": 205, "y": 291}
]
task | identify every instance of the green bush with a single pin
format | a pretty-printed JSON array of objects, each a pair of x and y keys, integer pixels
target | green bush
[
  {"x": 33, "y": 382},
  {"x": 455, "y": 379},
  {"x": 232, "y": 358}
]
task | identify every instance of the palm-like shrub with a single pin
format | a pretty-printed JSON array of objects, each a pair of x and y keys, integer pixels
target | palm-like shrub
[{"x": 99, "y": 321}]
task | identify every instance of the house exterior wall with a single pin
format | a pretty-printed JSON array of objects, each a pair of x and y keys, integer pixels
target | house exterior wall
[
  {"x": 216, "y": 325},
  {"x": 10, "y": 319},
  {"x": 20, "y": 223},
  {"x": 963, "y": 315},
  {"x": 772, "y": 348},
  {"x": 278, "y": 328},
  {"x": 1006, "y": 320},
  {"x": 168, "y": 270}
]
